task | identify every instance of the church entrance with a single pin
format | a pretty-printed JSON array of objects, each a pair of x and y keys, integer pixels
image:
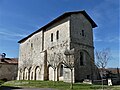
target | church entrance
[
  {"x": 60, "y": 72},
  {"x": 51, "y": 73}
]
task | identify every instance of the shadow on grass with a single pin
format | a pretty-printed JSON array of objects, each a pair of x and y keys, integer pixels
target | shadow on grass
[{"x": 8, "y": 88}]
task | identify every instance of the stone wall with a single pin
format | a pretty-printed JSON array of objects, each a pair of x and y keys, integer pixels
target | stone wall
[
  {"x": 31, "y": 57},
  {"x": 82, "y": 41},
  {"x": 41, "y": 58},
  {"x": 56, "y": 48},
  {"x": 81, "y": 30},
  {"x": 64, "y": 35},
  {"x": 8, "y": 71},
  {"x": 32, "y": 53}
]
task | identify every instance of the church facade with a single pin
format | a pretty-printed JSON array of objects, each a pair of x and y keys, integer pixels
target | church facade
[{"x": 42, "y": 53}]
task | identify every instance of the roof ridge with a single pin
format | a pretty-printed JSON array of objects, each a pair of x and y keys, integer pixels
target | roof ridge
[{"x": 58, "y": 18}]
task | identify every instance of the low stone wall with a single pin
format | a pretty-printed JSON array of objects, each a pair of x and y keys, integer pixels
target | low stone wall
[
  {"x": 99, "y": 82},
  {"x": 8, "y": 71},
  {"x": 115, "y": 81}
]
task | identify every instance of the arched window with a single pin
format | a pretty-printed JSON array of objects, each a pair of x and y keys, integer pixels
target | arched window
[{"x": 81, "y": 59}]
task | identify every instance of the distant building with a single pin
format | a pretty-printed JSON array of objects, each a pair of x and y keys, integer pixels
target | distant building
[
  {"x": 114, "y": 70},
  {"x": 47, "y": 46},
  {"x": 8, "y": 68},
  {"x": 110, "y": 72}
]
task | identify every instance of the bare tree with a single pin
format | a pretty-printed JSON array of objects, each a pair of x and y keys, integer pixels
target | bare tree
[
  {"x": 54, "y": 60},
  {"x": 67, "y": 58},
  {"x": 102, "y": 57}
]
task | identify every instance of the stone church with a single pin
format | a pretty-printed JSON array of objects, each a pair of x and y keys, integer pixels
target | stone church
[{"x": 42, "y": 53}]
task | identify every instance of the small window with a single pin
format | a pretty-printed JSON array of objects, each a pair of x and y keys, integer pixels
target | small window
[
  {"x": 31, "y": 45},
  {"x": 83, "y": 33},
  {"x": 57, "y": 35},
  {"x": 51, "y": 37},
  {"x": 81, "y": 59}
]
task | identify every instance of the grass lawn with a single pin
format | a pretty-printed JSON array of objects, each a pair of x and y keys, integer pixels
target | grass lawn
[{"x": 57, "y": 85}]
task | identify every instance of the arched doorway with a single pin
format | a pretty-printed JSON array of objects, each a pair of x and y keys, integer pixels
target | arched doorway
[
  {"x": 29, "y": 74},
  {"x": 37, "y": 73},
  {"x": 25, "y": 74},
  {"x": 20, "y": 74},
  {"x": 60, "y": 70},
  {"x": 51, "y": 73}
]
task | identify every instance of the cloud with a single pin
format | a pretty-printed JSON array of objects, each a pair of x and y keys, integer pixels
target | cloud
[
  {"x": 103, "y": 12},
  {"x": 12, "y": 34},
  {"x": 107, "y": 38},
  {"x": 9, "y": 35},
  {"x": 106, "y": 14},
  {"x": 96, "y": 39},
  {"x": 113, "y": 39}
]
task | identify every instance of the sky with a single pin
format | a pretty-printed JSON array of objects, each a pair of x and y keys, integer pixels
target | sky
[{"x": 19, "y": 18}]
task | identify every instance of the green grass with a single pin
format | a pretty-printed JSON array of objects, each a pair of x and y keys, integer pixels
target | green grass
[
  {"x": 1, "y": 82},
  {"x": 57, "y": 85}
]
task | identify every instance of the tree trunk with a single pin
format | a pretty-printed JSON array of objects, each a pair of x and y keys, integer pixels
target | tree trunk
[
  {"x": 54, "y": 77},
  {"x": 71, "y": 79}
]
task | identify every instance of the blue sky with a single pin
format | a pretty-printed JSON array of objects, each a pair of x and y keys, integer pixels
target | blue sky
[{"x": 19, "y": 18}]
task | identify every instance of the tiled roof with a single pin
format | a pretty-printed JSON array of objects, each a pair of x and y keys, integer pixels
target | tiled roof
[
  {"x": 8, "y": 60},
  {"x": 112, "y": 70},
  {"x": 66, "y": 14}
]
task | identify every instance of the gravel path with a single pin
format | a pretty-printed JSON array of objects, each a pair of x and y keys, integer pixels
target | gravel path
[
  {"x": 36, "y": 89},
  {"x": 17, "y": 88}
]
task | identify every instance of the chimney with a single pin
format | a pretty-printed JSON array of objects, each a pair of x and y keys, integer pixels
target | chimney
[
  {"x": 3, "y": 57},
  {"x": 0, "y": 56}
]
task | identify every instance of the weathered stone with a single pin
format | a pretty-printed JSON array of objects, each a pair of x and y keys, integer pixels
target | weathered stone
[
  {"x": 42, "y": 53},
  {"x": 8, "y": 70}
]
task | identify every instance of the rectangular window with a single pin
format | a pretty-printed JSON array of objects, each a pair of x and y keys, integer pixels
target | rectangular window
[
  {"x": 51, "y": 37},
  {"x": 57, "y": 35},
  {"x": 83, "y": 33}
]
